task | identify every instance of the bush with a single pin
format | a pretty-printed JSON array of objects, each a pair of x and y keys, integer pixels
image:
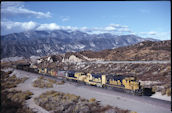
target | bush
[
  {"x": 69, "y": 103},
  {"x": 19, "y": 96},
  {"x": 42, "y": 83},
  {"x": 92, "y": 100},
  {"x": 154, "y": 89},
  {"x": 24, "y": 79},
  {"x": 10, "y": 81},
  {"x": 118, "y": 110},
  {"x": 52, "y": 81},
  {"x": 13, "y": 101},
  {"x": 41, "y": 77},
  {"x": 60, "y": 83},
  {"x": 168, "y": 92},
  {"x": 163, "y": 92}
]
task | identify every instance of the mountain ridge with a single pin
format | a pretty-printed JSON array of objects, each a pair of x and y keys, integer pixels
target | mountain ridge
[{"x": 42, "y": 43}]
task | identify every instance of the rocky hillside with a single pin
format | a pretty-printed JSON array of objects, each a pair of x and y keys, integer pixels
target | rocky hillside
[
  {"x": 43, "y": 43},
  {"x": 144, "y": 51},
  {"x": 158, "y": 75}
]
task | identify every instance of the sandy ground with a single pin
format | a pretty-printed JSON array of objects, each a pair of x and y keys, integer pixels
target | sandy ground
[{"x": 106, "y": 97}]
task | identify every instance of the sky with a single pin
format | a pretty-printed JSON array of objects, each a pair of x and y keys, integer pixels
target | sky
[{"x": 148, "y": 19}]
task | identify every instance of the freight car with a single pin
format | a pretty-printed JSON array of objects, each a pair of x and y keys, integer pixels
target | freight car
[{"x": 127, "y": 84}]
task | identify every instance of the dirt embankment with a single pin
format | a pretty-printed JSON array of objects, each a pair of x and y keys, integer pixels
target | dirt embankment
[{"x": 144, "y": 51}]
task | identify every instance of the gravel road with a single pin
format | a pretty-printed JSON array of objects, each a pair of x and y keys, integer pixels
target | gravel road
[{"x": 140, "y": 104}]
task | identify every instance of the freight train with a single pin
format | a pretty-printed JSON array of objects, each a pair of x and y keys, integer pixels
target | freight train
[{"x": 127, "y": 84}]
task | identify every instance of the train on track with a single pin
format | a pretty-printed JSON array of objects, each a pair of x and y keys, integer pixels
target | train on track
[{"x": 127, "y": 84}]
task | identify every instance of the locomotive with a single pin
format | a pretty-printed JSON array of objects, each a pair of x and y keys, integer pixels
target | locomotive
[{"x": 127, "y": 84}]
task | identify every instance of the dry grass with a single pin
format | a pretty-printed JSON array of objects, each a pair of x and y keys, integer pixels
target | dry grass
[
  {"x": 163, "y": 92},
  {"x": 92, "y": 100},
  {"x": 59, "y": 102},
  {"x": 43, "y": 82},
  {"x": 13, "y": 101},
  {"x": 60, "y": 83},
  {"x": 13, "y": 81},
  {"x": 168, "y": 92},
  {"x": 19, "y": 96}
]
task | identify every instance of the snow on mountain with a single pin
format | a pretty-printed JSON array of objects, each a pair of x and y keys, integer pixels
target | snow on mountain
[{"x": 41, "y": 43}]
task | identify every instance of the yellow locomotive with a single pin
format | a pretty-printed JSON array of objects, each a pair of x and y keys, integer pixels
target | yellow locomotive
[{"x": 128, "y": 84}]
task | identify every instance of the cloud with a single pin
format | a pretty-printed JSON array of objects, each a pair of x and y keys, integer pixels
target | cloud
[
  {"x": 13, "y": 9},
  {"x": 149, "y": 33},
  {"x": 11, "y": 27},
  {"x": 156, "y": 35},
  {"x": 51, "y": 26},
  {"x": 112, "y": 28},
  {"x": 64, "y": 18},
  {"x": 71, "y": 28},
  {"x": 8, "y": 27},
  {"x": 132, "y": 33},
  {"x": 152, "y": 33},
  {"x": 117, "y": 29},
  {"x": 54, "y": 26}
]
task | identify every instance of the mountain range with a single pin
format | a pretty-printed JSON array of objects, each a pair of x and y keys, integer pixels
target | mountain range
[{"x": 42, "y": 43}]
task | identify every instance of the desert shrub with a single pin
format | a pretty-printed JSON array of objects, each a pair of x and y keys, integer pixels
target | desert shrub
[
  {"x": 52, "y": 81},
  {"x": 42, "y": 83},
  {"x": 92, "y": 100},
  {"x": 133, "y": 112},
  {"x": 163, "y": 91},
  {"x": 154, "y": 89},
  {"x": 105, "y": 108},
  {"x": 60, "y": 83},
  {"x": 24, "y": 79},
  {"x": 13, "y": 101},
  {"x": 118, "y": 110},
  {"x": 168, "y": 92},
  {"x": 41, "y": 77},
  {"x": 10, "y": 81},
  {"x": 49, "y": 85},
  {"x": 59, "y": 102},
  {"x": 19, "y": 96}
]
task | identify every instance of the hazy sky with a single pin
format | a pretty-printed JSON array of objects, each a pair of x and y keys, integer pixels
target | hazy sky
[{"x": 145, "y": 18}]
